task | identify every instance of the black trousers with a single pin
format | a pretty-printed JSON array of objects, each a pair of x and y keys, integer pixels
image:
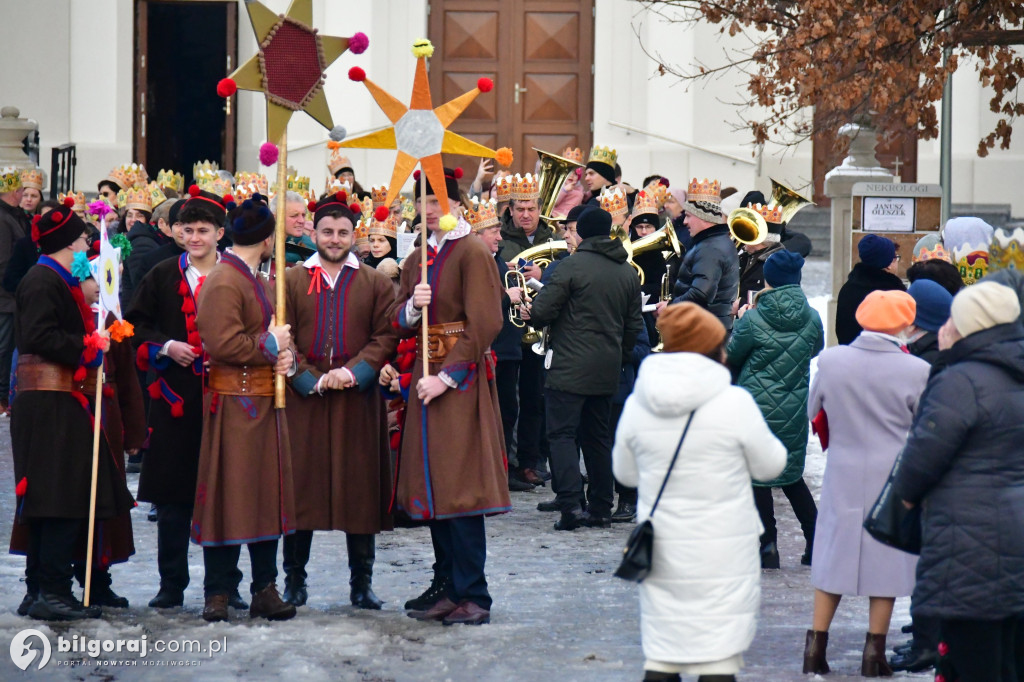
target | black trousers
[
  {"x": 983, "y": 650},
  {"x": 173, "y": 526},
  {"x": 463, "y": 545},
  {"x": 506, "y": 378},
  {"x": 222, "y": 567},
  {"x": 625, "y": 493},
  {"x": 571, "y": 415},
  {"x": 533, "y": 446},
  {"x": 297, "y": 547},
  {"x": 48, "y": 566},
  {"x": 803, "y": 506}
]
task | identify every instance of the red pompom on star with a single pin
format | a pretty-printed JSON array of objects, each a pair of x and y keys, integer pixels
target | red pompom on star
[
  {"x": 485, "y": 84},
  {"x": 226, "y": 87},
  {"x": 356, "y": 74}
]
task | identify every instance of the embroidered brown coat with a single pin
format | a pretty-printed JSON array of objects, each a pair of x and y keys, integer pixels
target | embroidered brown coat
[
  {"x": 340, "y": 457},
  {"x": 244, "y": 486},
  {"x": 456, "y": 465}
]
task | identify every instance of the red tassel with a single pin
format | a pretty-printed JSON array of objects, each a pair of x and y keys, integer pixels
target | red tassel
[
  {"x": 187, "y": 306},
  {"x": 182, "y": 288},
  {"x": 22, "y": 487},
  {"x": 154, "y": 390},
  {"x": 79, "y": 374},
  {"x": 108, "y": 391},
  {"x": 404, "y": 380},
  {"x": 193, "y": 339},
  {"x": 396, "y": 440},
  {"x": 190, "y": 325},
  {"x": 81, "y": 400},
  {"x": 177, "y": 410}
]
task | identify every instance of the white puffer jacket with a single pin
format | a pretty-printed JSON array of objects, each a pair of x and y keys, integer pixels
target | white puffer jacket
[{"x": 700, "y": 602}]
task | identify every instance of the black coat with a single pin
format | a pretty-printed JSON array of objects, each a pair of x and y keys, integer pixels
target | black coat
[
  {"x": 24, "y": 256},
  {"x": 51, "y": 431},
  {"x": 144, "y": 239},
  {"x": 862, "y": 281},
  {"x": 752, "y": 269},
  {"x": 170, "y": 466},
  {"x": 710, "y": 274},
  {"x": 963, "y": 463},
  {"x": 14, "y": 225},
  {"x": 158, "y": 255},
  {"x": 592, "y": 304},
  {"x": 926, "y": 347},
  {"x": 514, "y": 239}
]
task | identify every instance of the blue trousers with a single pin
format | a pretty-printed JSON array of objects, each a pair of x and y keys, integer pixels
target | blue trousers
[{"x": 463, "y": 545}]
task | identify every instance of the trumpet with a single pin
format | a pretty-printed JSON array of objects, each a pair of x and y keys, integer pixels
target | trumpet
[{"x": 514, "y": 278}]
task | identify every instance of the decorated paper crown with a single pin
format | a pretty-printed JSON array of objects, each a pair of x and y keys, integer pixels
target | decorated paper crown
[
  {"x": 603, "y": 155},
  {"x": 367, "y": 206},
  {"x": 659, "y": 191},
  {"x": 573, "y": 154},
  {"x": 257, "y": 180},
  {"x": 32, "y": 179},
  {"x": 379, "y": 195},
  {"x": 10, "y": 179},
  {"x": 171, "y": 180},
  {"x": 79, "y": 199},
  {"x": 482, "y": 214},
  {"x": 1006, "y": 252},
  {"x": 337, "y": 161},
  {"x": 645, "y": 202},
  {"x": 334, "y": 185},
  {"x": 972, "y": 261},
  {"x": 930, "y": 247},
  {"x": 613, "y": 200},
  {"x": 137, "y": 198},
  {"x": 708, "y": 190},
  {"x": 362, "y": 231},
  {"x": 298, "y": 184},
  {"x": 525, "y": 187},
  {"x": 408, "y": 209},
  {"x": 210, "y": 181},
  {"x": 156, "y": 195},
  {"x": 382, "y": 223},
  {"x": 128, "y": 175},
  {"x": 771, "y": 214},
  {"x": 204, "y": 167},
  {"x": 504, "y": 185}
]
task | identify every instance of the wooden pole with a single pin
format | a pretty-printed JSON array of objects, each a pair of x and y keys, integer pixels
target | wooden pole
[
  {"x": 280, "y": 262},
  {"x": 97, "y": 428},
  {"x": 424, "y": 235}
]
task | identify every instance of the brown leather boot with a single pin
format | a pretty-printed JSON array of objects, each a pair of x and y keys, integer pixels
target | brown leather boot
[
  {"x": 814, "y": 652},
  {"x": 436, "y": 612},
  {"x": 873, "y": 663},
  {"x": 267, "y": 603},
  {"x": 216, "y": 608}
]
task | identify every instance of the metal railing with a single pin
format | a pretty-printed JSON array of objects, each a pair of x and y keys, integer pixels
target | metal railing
[
  {"x": 695, "y": 147},
  {"x": 62, "y": 169}
]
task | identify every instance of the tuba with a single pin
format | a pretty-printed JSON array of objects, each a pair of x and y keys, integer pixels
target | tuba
[
  {"x": 790, "y": 201},
  {"x": 554, "y": 170},
  {"x": 664, "y": 239},
  {"x": 747, "y": 226}
]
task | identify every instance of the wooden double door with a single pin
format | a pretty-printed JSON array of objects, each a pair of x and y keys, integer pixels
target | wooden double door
[{"x": 540, "y": 54}]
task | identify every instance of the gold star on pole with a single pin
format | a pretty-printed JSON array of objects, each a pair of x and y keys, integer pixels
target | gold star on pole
[
  {"x": 420, "y": 131},
  {"x": 290, "y": 64}
]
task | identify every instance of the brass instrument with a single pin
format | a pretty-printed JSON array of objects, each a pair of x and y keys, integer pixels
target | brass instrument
[
  {"x": 747, "y": 226},
  {"x": 554, "y": 170},
  {"x": 544, "y": 254},
  {"x": 514, "y": 278},
  {"x": 663, "y": 239},
  {"x": 666, "y": 296},
  {"x": 790, "y": 201}
]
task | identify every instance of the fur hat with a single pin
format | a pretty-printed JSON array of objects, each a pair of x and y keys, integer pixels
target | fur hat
[{"x": 689, "y": 328}]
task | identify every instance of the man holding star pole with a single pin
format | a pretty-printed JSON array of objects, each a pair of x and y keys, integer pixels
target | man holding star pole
[{"x": 451, "y": 469}]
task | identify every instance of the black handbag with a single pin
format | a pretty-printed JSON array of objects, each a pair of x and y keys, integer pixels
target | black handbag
[
  {"x": 636, "y": 557},
  {"x": 890, "y": 522}
]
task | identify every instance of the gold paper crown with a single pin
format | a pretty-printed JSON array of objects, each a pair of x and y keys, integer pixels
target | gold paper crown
[
  {"x": 337, "y": 161},
  {"x": 938, "y": 253},
  {"x": 298, "y": 184},
  {"x": 79, "y": 198},
  {"x": 121, "y": 177},
  {"x": 10, "y": 179},
  {"x": 137, "y": 198},
  {"x": 504, "y": 185},
  {"x": 203, "y": 167},
  {"x": 386, "y": 228},
  {"x": 362, "y": 233},
  {"x": 156, "y": 195},
  {"x": 525, "y": 187},
  {"x": 645, "y": 202},
  {"x": 972, "y": 261},
  {"x": 379, "y": 195},
  {"x": 573, "y": 154},
  {"x": 771, "y": 214},
  {"x": 603, "y": 155},
  {"x": 32, "y": 179},
  {"x": 171, "y": 180},
  {"x": 210, "y": 181},
  {"x": 709, "y": 190},
  {"x": 482, "y": 214},
  {"x": 334, "y": 185},
  {"x": 658, "y": 191},
  {"x": 408, "y": 209},
  {"x": 252, "y": 183},
  {"x": 1006, "y": 252},
  {"x": 613, "y": 200}
]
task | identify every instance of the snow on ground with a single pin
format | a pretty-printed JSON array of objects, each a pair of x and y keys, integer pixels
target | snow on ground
[{"x": 558, "y": 611}]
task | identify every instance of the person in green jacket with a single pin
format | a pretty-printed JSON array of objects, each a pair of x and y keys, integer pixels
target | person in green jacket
[{"x": 771, "y": 349}]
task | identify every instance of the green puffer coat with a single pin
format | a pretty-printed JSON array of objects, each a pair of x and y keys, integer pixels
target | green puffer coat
[{"x": 772, "y": 346}]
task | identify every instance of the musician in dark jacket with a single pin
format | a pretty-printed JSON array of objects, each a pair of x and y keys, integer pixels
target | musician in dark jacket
[
  {"x": 592, "y": 305},
  {"x": 962, "y": 464},
  {"x": 876, "y": 271}
]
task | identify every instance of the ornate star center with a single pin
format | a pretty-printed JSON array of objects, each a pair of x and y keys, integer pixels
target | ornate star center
[{"x": 419, "y": 133}]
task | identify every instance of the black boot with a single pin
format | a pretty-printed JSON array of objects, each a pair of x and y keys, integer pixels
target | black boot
[
  {"x": 102, "y": 595},
  {"x": 167, "y": 598},
  {"x": 235, "y": 601},
  {"x": 296, "y": 555},
  {"x": 361, "y": 553},
  {"x": 809, "y": 543},
  {"x": 438, "y": 589},
  {"x": 26, "y": 603},
  {"x": 57, "y": 607},
  {"x": 770, "y": 555},
  {"x": 625, "y": 512},
  {"x": 295, "y": 592}
]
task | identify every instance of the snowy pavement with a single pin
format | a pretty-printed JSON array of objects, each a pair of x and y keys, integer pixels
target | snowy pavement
[{"x": 558, "y": 613}]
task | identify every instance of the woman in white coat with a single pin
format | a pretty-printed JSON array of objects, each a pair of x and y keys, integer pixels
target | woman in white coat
[
  {"x": 869, "y": 391},
  {"x": 698, "y": 607}
]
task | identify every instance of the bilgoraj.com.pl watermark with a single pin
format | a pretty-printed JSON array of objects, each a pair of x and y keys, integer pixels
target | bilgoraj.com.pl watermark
[{"x": 33, "y": 648}]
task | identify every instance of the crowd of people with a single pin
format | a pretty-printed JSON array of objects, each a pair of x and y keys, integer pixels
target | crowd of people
[{"x": 629, "y": 329}]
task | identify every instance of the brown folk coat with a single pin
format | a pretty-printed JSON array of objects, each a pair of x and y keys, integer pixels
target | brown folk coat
[
  {"x": 244, "y": 487},
  {"x": 457, "y": 467},
  {"x": 340, "y": 457}
]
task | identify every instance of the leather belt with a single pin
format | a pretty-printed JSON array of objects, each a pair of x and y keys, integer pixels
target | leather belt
[
  {"x": 38, "y": 374},
  {"x": 242, "y": 380},
  {"x": 441, "y": 338}
]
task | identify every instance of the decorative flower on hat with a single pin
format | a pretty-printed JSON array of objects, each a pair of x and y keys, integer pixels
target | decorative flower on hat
[
  {"x": 289, "y": 67},
  {"x": 420, "y": 131}
]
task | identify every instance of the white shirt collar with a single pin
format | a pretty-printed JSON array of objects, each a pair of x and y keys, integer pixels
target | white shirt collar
[{"x": 314, "y": 261}]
